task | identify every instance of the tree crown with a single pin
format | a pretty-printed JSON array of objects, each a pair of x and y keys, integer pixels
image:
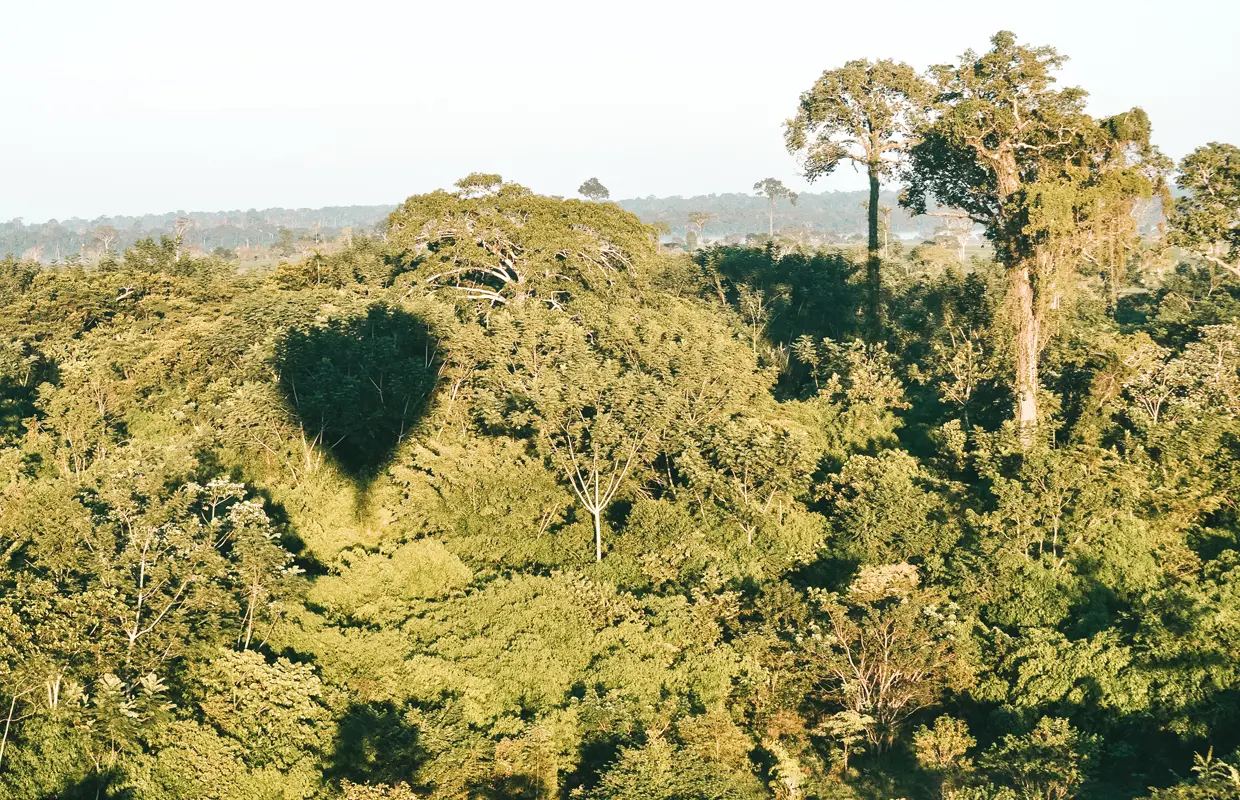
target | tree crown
[
  {"x": 593, "y": 189},
  {"x": 862, "y": 112}
]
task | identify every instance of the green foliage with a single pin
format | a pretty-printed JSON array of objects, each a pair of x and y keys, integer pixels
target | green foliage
[
  {"x": 886, "y": 511},
  {"x": 943, "y": 751},
  {"x": 508, "y": 245},
  {"x": 661, "y": 771},
  {"x": 513, "y": 504},
  {"x": 274, "y": 710},
  {"x": 857, "y": 113},
  {"x": 1048, "y": 762},
  {"x": 1206, "y": 219},
  {"x": 1212, "y": 778}
]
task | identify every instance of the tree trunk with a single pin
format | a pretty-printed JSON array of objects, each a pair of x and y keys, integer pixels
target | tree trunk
[
  {"x": 7, "y": 722},
  {"x": 1025, "y": 321},
  {"x": 874, "y": 264},
  {"x": 598, "y": 536},
  {"x": 1024, "y": 308},
  {"x": 771, "y": 231}
]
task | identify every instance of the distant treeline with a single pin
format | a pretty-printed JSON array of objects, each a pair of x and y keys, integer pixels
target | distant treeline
[
  {"x": 58, "y": 240},
  {"x": 840, "y": 214}
]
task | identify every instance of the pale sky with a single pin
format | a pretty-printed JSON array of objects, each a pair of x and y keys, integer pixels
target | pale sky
[{"x": 135, "y": 106}]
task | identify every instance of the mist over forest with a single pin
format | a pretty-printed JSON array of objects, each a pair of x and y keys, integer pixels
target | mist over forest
[{"x": 928, "y": 491}]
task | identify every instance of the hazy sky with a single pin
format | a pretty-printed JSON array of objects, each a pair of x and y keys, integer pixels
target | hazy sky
[{"x": 133, "y": 107}]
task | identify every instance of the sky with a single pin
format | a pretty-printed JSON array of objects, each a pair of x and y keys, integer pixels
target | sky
[{"x": 111, "y": 107}]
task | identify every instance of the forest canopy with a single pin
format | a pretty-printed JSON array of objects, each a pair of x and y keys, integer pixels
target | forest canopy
[{"x": 506, "y": 499}]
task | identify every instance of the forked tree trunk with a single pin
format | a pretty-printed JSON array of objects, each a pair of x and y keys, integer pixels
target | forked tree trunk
[{"x": 874, "y": 264}]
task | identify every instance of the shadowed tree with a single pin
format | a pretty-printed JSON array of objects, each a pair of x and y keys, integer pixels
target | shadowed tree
[
  {"x": 863, "y": 112},
  {"x": 593, "y": 190},
  {"x": 375, "y": 743},
  {"x": 773, "y": 189}
]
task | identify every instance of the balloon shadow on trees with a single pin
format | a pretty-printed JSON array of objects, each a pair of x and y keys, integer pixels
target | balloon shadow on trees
[
  {"x": 375, "y": 743},
  {"x": 95, "y": 786},
  {"x": 359, "y": 386},
  {"x": 22, "y": 369}
]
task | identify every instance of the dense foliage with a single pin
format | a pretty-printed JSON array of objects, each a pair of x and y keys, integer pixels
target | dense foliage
[{"x": 511, "y": 503}]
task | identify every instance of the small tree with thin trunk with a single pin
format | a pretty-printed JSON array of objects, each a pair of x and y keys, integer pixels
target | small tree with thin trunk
[
  {"x": 180, "y": 227},
  {"x": 863, "y": 112},
  {"x": 848, "y": 730},
  {"x": 773, "y": 189},
  {"x": 598, "y": 423}
]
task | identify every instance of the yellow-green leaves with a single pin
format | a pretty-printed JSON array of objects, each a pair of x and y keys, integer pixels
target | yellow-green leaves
[{"x": 506, "y": 246}]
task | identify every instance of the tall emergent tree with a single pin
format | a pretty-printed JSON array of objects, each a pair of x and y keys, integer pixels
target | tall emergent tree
[
  {"x": 1207, "y": 220},
  {"x": 863, "y": 112},
  {"x": 1022, "y": 158},
  {"x": 773, "y": 189},
  {"x": 593, "y": 189}
]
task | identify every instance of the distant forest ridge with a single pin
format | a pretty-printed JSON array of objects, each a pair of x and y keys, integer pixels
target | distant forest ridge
[
  {"x": 837, "y": 213},
  {"x": 56, "y": 240}
]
